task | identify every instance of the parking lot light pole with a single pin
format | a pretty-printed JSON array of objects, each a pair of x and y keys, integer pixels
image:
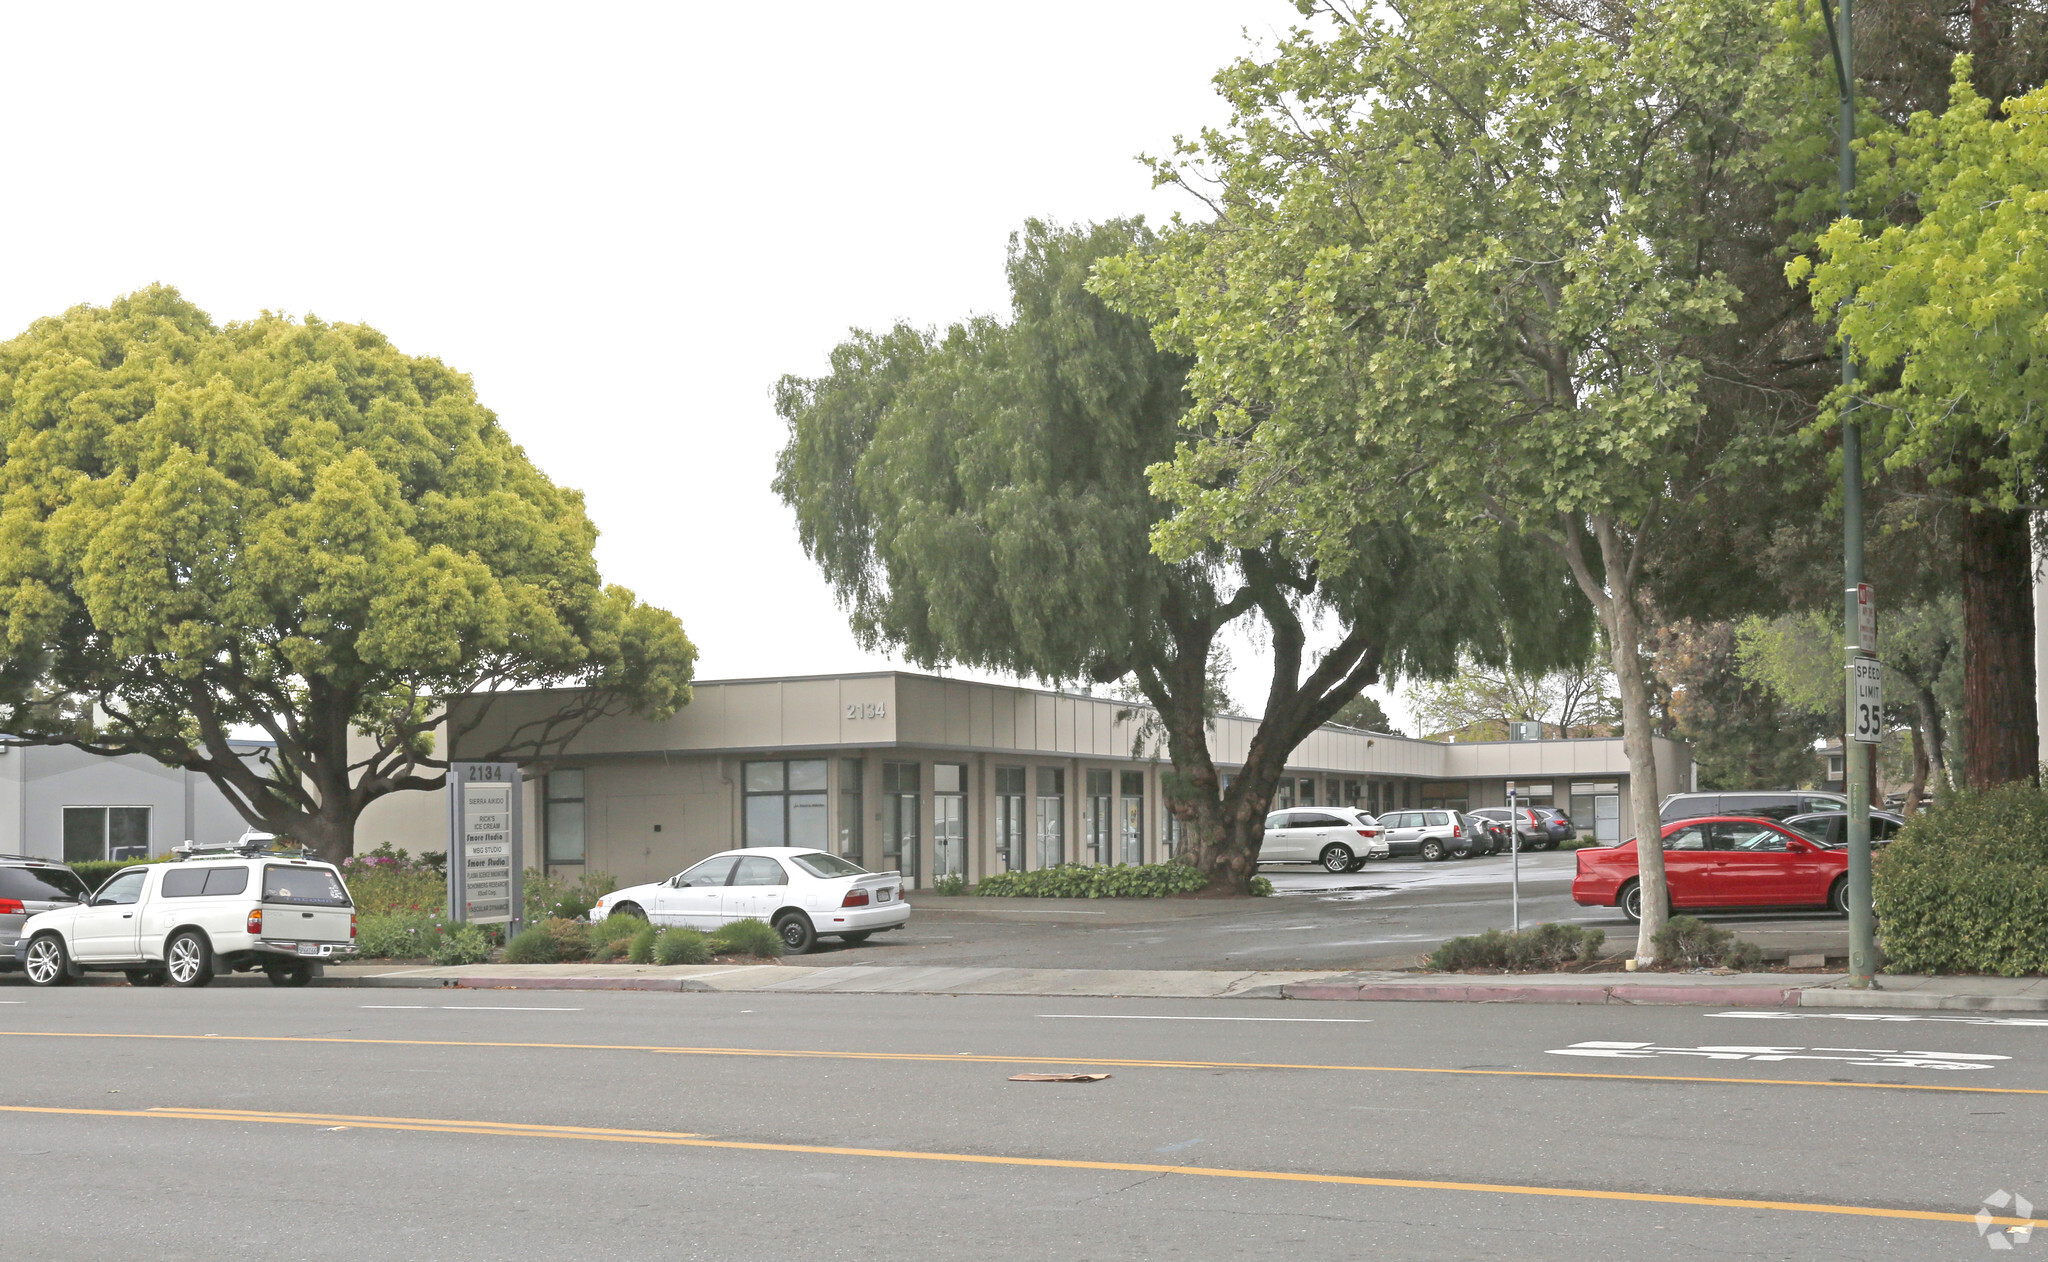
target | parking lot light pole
[{"x": 1857, "y": 757}]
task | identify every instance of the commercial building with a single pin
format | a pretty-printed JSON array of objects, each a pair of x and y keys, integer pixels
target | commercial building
[
  {"x": 57, "y": 802},
  {"x": 943, "y": 777}
]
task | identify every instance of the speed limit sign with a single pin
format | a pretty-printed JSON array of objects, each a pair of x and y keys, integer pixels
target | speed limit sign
[{"x": 1866, "y": 725}]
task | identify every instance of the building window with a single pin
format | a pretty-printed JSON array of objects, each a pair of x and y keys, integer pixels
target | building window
[
  {"x": 1169, "y": 838},
  {"x": 899, "y": 818},
  {"x": 784, "y": 802},
  {"x": 564, "y": 815},
  {"x": 1447, "y": 795},
  {"x": 850, "y": 772},
  {"x": 1132, "y": 784},
  {"x": 1095, "y": 817},
  {"x": 949, "y": 820},
  {"x": 1009, "y": 818},
  {"x": 105, "y": 832},
  {"x": 1052, "y": 817},
  {"x": 1353, "y": 798},
  {"x": 1283, "y": 793}
]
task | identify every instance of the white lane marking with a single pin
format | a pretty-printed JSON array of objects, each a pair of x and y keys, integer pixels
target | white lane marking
[
  {"x": 1881, "y": 1057},
  {"x": 1042, "y": 911},
  {"x": 1117, "y": 1016},
  {"x": 1185, "y": 1143},
  {"x": 1878, "y": 1016},
  {"x": 459, "y": 1007},
  {"x": 13, "y": 1001}
]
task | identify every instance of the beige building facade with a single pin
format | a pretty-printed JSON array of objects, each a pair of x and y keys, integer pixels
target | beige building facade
[{"x": 944, "y": 777}]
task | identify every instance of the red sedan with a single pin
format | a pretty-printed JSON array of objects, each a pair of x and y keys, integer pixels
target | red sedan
[{"x": 1721, "y": 862}]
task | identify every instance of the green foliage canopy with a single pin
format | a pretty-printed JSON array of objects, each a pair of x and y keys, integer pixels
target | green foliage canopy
[{"x": 290, "y": 526}]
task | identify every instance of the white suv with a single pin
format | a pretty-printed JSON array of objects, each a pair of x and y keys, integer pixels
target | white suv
[
  {"x": 1339, "y": 838},
  {"x": 228, "y": 911}
]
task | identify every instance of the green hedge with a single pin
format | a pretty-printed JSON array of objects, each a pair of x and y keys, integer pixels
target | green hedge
[
  {"x": 94, "y": 872},
  {"x": 1964, "y": 888},
  {"x": 1075, "y": 880}
]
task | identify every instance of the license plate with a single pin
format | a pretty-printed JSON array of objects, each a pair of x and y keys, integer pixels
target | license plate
[
  {"x": 882, "y": 896},
  {"x": 309, "y": 948}
]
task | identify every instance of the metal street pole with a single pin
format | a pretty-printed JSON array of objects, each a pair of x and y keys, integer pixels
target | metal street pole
[
  {"x": 1856, "y": 756},
  {"x": 1515, "y": 856}
]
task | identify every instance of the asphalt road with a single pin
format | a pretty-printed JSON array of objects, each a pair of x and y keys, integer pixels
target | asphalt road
[
  {"x": 705, "y": 1126},
  {"x": 1385, "y": 915}
]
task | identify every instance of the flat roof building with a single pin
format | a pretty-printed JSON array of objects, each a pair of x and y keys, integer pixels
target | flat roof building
[{"x": 946, "y": 777}]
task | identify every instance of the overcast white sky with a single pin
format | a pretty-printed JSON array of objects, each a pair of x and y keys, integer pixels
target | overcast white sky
[{"x": 624, "y": 221}]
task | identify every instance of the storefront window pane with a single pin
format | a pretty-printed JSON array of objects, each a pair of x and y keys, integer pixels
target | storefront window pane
[
  {"x": 807, "y": 820},
  {"x": 1052, "y": 817},
  {"x": 765, "y": 824},
  {"x": 850, "y": 809},
  {"x": 807, "y": 776},
  {"x": 763, "y": 777},
  {"x": 565, "y": 831}
]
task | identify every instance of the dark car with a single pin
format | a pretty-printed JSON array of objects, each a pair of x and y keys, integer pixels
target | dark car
[
  {"x": 1483, "y": 836},
  {"x": 1557, "y": 826},
  {"x": 28, "y": 886},
  {"x": 1778, "y": 804},
  {"x": 1831, "y": 828},
  {"x": 1525, "y": 822}
]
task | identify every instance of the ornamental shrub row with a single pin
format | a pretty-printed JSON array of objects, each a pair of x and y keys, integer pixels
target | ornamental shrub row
[
  {"x": 1076, "y": 880},
  {"x": 1964, "y": 888},
  {"x": 1542, "y": 949}
]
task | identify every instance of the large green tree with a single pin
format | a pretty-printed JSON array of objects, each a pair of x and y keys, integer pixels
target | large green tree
[
  {"x": 1945, "y": 312},
  {"x": 1465, "y": 255},
  {"x": 294, "y": 528},
  {"x": 980, "y": 496}
]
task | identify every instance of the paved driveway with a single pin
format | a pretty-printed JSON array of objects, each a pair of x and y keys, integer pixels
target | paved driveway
[{"x": 1383, "y": 916}]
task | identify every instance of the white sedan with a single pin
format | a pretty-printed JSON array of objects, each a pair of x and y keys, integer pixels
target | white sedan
[{"x": 805, "y": 894}]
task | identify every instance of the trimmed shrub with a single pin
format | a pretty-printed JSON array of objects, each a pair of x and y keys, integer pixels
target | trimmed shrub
[
  {"x": 681, "y": 946},
  {"x": 534, "y": 945},
  {"x": 461, "y": 944},
  {"x": 748, "y": 937},
  {"x": 610, "y": 937},
  {"x": 1690, "y": 942},
  {"x": 1542, "y": 949},
  {"x": 398, "y": 935},
  {"x": 94, "y": 872},
  {"x": 640, "y": 950},
  {"x": 1964, "y": 888},
  {"x": 1076, "y": 880},
  {"x": 950, "y": 886},
  {"x": 1261, "y": 887}
]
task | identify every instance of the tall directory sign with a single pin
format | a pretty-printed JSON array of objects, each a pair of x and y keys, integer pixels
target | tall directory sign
[{"x": 483, "y": 842}]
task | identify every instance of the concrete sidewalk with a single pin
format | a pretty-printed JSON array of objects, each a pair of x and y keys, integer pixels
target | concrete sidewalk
[{"x": 1755, "y": 990}]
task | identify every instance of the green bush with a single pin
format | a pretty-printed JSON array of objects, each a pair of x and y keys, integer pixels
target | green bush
[
  {"x": 1543, "y": 949},
  {"x": 398, "y": 935},
  {"x": 747, "y": 937},
  {"x": 1261, "y": 887},
  {"x": 462, "y": 944},
  {"x": 950, "y": 886},
  {"x": 534, "y": 945},
  {"x": 641, "y": 949},
  {"x": 612, "y": 932},
  {"x": 94, "y": 872},
  {"x": 558, "y": 898},
  {"x": 1690, "y": 942},
  {"x": 681, "y": 946},
  {"x": 1964, "y": 888},
  {"x": 1075, "y": 880}
]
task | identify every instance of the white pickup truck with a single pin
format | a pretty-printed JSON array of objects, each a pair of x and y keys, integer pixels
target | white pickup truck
[{"x": 182, "y": 922}]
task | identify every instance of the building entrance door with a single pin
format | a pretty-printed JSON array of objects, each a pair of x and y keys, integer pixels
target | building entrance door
[
  {"x": 1607, "y": 819},
  {"x": 949, "y": 821}
]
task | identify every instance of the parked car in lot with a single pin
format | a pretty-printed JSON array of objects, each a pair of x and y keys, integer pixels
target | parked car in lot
[
  {"x": 1432, "y": 834},
  {"x": 1773, "y": 804},
  {"x": 1484, "y": 836},
  {"x": 806, "y": 894},
  {"x": 30, "y": 886},
  {"x": 1831, "y": 828},
  {"x": 1557, "y": 826},
  {"x": 227, "y": 910},
  {"x": 1528, "y": 827},
  {"x": 1338, "y": 838},
  {"x": 1720, "y": 863}
]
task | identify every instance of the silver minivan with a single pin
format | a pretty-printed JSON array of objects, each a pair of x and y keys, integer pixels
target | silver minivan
[{"x": 28, "y": 886}]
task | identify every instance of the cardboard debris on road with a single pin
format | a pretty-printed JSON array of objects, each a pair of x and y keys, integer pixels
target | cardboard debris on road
[{"x": 1057, "y": 1077}]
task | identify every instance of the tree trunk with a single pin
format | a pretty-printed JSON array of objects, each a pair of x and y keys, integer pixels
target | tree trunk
[
  {"x": 1919, "y": 782},
  {"x": 2001, "y": 737},
  {"x": 1930, "y": 723},
  {"x": 1613, "y": 595},
  {"x": 330, "y": 840}
]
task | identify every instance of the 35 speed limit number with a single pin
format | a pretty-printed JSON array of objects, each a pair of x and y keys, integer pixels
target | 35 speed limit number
[{"x": 1867, "y": 724}]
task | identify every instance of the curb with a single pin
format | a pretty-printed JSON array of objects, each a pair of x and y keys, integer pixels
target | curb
[
  {"x": 670, "y": 984},
  {"x": 1720, "y": 996},
  {"x": 1921, "y": 1002}
]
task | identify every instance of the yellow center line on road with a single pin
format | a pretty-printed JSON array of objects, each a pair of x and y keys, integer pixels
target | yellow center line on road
[
  {"x": 685, "y": 1140},
  {"x": 1064, "y": 1061}
]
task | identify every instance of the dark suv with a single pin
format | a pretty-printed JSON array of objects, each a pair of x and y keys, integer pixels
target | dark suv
[
  {"x": 1557, "y": 826},
  {"x": 1776, "y": 804},
  {"x": 28, "y": 886}
]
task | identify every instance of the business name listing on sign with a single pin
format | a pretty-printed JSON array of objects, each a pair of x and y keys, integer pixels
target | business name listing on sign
[{"x": 487, "y": 852}]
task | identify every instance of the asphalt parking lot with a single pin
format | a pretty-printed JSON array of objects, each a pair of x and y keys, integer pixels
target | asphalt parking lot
[
  {"x": 285, "y": 1124},
  {"x": 1385, "y": 915}
]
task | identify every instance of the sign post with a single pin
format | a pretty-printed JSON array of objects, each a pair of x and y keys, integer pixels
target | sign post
[
  {"x": 483, "y": 844},
  {"x": 1515, "y": 858}
]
